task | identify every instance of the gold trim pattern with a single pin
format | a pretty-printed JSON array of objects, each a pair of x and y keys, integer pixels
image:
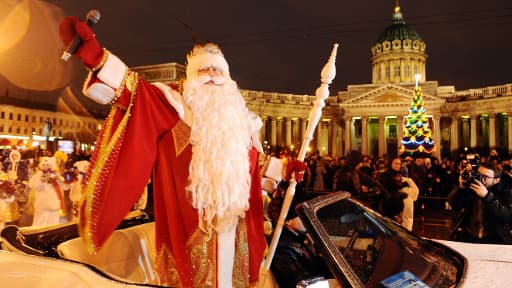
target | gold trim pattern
[
  {"x": 181, "y": 136},
  {"x": 241, "y": 264},
  {"x": 102, "y": 62},
  {"x": 166, "y": 268},
  {"x": 203, "y": 257},
  {"x": 109, "y": 146}
]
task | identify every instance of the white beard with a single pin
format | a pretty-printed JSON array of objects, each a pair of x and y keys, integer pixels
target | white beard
[{"x": 219, "y": 179}]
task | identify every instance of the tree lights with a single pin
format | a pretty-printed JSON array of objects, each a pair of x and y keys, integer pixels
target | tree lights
[{"x": 417, "y": 138}]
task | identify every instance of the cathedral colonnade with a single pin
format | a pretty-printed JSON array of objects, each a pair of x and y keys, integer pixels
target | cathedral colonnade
[
  {"x": 288, "y": 133},
  {"x": 369, "y": 117},
  {"x": 381, "y": 134}
]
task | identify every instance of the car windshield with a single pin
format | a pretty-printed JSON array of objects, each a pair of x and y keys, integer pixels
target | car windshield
[{"x": 374, "y": 248}]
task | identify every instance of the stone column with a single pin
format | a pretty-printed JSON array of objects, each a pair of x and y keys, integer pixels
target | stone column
[
  {"x": 492, "y": 130},
  {"x": 334, "y": 137},
  {"x": 399, "y": 131},
  {"x": 364, "y": 134},
  {"x": 382, "y": 138},
  {"x": 473, "y": 136},
  {"x": 273, "y": 132},
  {"x": 317, "y": 138},
  {"x": 303, "y": 127},
  {"x": 348, "y": 129},
  {"x": 454, "y": 133},
  {"x": 263, "y": 133},
  {"x": 288, "y": 123},
  {"x": 436, "y": 130},
  {"x": 509, "y": 131}
]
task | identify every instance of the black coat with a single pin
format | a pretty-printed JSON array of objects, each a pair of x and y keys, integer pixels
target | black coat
[{"x": 496, "y": 214}]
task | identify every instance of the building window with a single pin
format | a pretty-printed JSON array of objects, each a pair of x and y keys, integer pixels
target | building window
[
  {"x": 9, "y": 130},
  {"x": 19, "y": 117},
  {"x": 407, "y": 71},
  {"x": 2, "y": 115},
  {"x": 18, "y": 130},
  {"x": 11, "y": 116},
  {"x": 397, "y": 70},
  {"x": 26, "y": 118},
  {"x": 388, "y": 72}
]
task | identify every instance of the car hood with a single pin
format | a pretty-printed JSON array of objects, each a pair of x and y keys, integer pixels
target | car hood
[{"x": 489, "y": 265}]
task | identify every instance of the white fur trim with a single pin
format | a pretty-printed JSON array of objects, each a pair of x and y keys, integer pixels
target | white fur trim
[
  {"x": 113, "y": 71},
  {"x": 256, "y": 125},
  {"x": 256, "y": 142},
  {"x": 225, "y": 257},
  {"x": 100, "y": 93},
  {"x": 176, "y": 100},
  {"x": 204, "y": 60}
]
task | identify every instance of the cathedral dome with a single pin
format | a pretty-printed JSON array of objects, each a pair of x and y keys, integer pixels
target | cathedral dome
[
  {"x": 398, "y": 54},
  {"x": 398, "y": 30}
]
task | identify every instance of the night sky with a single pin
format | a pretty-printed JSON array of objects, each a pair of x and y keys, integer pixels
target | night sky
[{"x": 275, "y": 45}]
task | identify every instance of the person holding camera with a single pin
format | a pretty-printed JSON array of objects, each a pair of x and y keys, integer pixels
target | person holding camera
[{"x": 485, "y": 206}]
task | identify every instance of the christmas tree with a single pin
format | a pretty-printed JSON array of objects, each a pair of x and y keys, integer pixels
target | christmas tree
[{"x": 417, "y": 139}]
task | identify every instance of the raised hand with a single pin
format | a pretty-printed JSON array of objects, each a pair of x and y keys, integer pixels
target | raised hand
[{"x": 90, "y": 51}]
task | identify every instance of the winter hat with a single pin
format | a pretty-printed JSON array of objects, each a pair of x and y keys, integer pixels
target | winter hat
[{"x": 204, "y": 56}]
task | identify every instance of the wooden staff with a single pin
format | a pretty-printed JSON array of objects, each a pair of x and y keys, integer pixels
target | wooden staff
[{"x": 327, "y": 75}]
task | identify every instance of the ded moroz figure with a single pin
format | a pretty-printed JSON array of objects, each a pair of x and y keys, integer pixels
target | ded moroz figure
[{"x": 200, "y": 144}]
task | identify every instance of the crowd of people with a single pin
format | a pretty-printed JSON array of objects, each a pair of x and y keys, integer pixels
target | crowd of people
[
  {"x": 45, "y": 186},
  {"x": 396, "y": 186},
  {"x": 479, "y": 188}
]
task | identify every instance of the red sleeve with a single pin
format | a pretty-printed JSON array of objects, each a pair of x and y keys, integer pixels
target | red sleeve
[{"x": 129, "y": 158}]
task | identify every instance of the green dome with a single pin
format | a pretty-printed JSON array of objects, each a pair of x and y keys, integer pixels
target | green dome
[{"x": 398, "y": 30}]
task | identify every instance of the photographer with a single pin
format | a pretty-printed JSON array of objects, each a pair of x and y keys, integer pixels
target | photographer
[{"x": 485, "y": 207}]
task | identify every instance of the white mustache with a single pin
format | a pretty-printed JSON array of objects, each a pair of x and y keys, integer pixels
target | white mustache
[{"x": 217, "y": 80}]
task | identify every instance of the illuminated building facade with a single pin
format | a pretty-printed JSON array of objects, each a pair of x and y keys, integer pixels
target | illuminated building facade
[{"x": 369, "y": 117}]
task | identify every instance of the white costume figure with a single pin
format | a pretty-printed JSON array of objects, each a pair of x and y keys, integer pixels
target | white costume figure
[
  {"x": 75, "y": 192},
  {"x": 5, "y": 200},
  {"x": 12, "y": 172},
  {"x": 412, "y": 192},
  {"x": 49, "y": 198}
]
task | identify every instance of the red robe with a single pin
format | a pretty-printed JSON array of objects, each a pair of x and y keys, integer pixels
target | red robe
[{"x": 144, "y": 136}]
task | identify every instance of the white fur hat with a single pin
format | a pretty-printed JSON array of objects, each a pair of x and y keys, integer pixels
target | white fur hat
[
  {"x": 82, "y": 166},
  {"x": 206, "y": 55},
  {"x": 48, "y": 160}
]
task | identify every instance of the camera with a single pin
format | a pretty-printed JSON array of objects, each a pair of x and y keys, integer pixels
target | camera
[{"x": 469, "y": 176}]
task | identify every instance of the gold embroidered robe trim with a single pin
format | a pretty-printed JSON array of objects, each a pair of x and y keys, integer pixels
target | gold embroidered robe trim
[
  {"x": 203, "y": 256},
  {"x": 181, "y": 136}
]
